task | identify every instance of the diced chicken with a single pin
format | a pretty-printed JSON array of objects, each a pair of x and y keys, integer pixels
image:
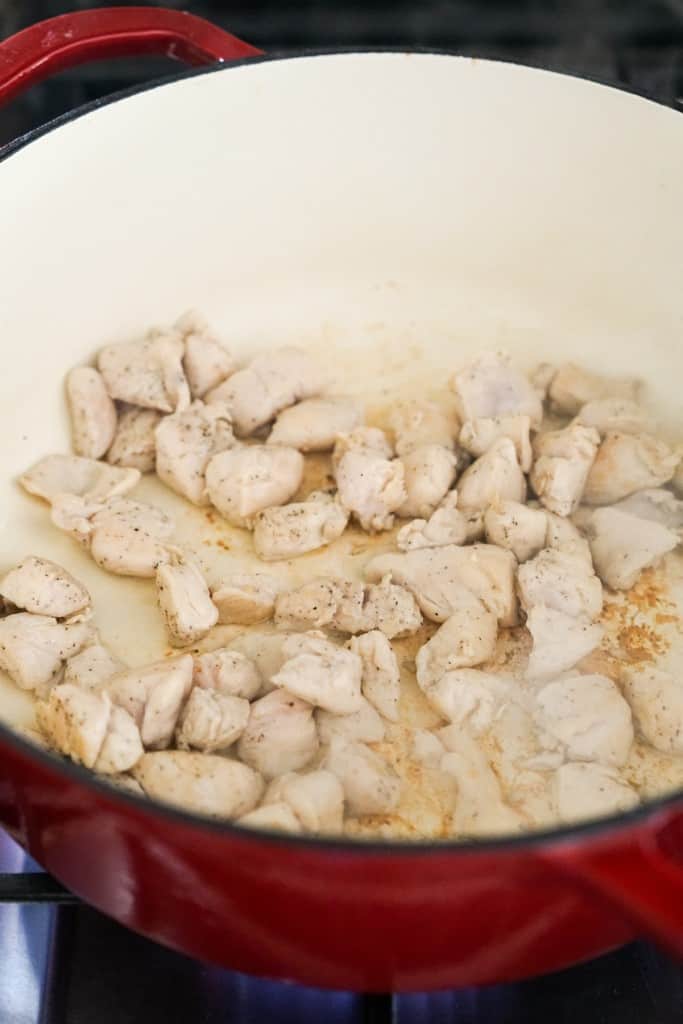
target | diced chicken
[
  {"x": 184, "y": 599},
  {"x": 243, "y": 481},
  {"x": 316, "y": 798},
  {"x": 33, "y": 648},
  {"x": 93, "y": 481},
  {"x": 478, "y": 436},
  {"x": 656, "y": 700},
  {"x": 371, "y": 488},
  {"x": 265, "y": 650},
  {"x": 563, "y": 460},
  {"x": 390, "y": 608},
  {"x": 202, "y": 783},
  {"x": 271, "y": 382},
  {"x": 614, "y": 415},
  {"x": 467, "y": 638},
  {"x": 92, "y": 667},
  {"x": 92, "y": 412},
  {"x": 590, "y": 790},
  {"x": 206, "y": 362},
  {"x": 563, "y": 536},
  {"x": 227, "y": 672},
  {"x": 185, "y": 444},
  {"x": 381, "y": 678},
  {"x": 517, "y": 528},
  {"x": 89, "y": 729},
  {"x": 280, "y": 736},
  {"x": 470, "y": 697},
  {"x": 370, "y": 785},
  {"x": 489, "y": 387},
  {"x": 153, "y": 695},
  {"x": 623, "y": 545},
  {"x": 321, "y": 673},
  {"x": 560, "y": 641},
  {"x": 313, "y": 425},
  {"x": 291, "y": 530},
  {"x": 447, "y": 525},
  {"x": 427, "y": 748},
  {"x": 351, "y": 614},
  {"x": 364, "y": 725},
  {"x": 572, "y": 388},
  {"x": 365, "y": 441},
  {"x": 211, "y": 720},
  {"x": 562, "y": 582},
  {"x": 655, "y": 504},
  {"x": 128, "y": 538},
  {"x": 417, "y": 423},
  {"x": 587, "y": 718},
  {"x": 134, "y": 443},
  {"x": 44, "y": 588},
  {"x": 148, "y": 372},
  {"x": 627, "y": 463},
  {"x": 495, "y": 476},
  {"x": 276, "y": 817},
  {"x": 311, "y": 606},
  {"x": 480, "y": 808},
  {"x": 428, "y": 472},
  {"x": 246, "y": 598}
]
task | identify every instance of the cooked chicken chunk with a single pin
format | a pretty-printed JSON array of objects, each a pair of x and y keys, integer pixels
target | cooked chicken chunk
[
  {"x": 563, "y": 536},
  {"x": 371, "y": 488},
  {"x": 428, "y": 472},
  {"x": 211, "y": 720},
  {"x": 563, "y": 460},
  {"x": 33, "y": 648},
  {"x": 470, "y": 697},
  {"x": 390, "y": 608},
  {"x": 271, "y": 382},
  {"x": 467, "y": 638},
  {"x": 560, "y": 641},
  {"x": 477, "y": 436},
  {"x": 44, "y": 588},
  {"x": 489, "y": 387},
  {"x": 364, "y": 725},
  {"x": 276, "y": 817},
  {"x": 311, "y": 606},
  {"x": 148, "y": 372},
  {"x": 381, "y": 679},
  {"x": 184, "y": 599},
  {"x": 70, "y": 474},
  {"x": 92, "y": 412},
  {"x": 623, "y": 545},
  {"x": 313, "y": 425},
  {"x": 370, "y": 785},
  {"x": 614, "y": 415},
  {"x": 427, "y": 748},
  {"x": 245, "y": 598},
  {"x": 657, "y": 505},
  {"x": 627, "y": 463},
  {"x": 656, "y": 700},
  {"x": 365, "y": 441},
  {"x": 134, "y": 443},
  {"x": 417, "y": 423},
  {"x": 572, "y": 388},
  {"x": 280, "y": 735},
  {"x": 265, "y": 650},
  {"x": 590, "y": 790},
  {"x": 243, "y": 481},
  {"x": 321, "y": 673},
  {"x": 350, "y": 614},
  {"x": 480, "y": 808},
  {"x": 227, "y": 672},
  {"x": 563, "y": 582},
  {"x": 92, "y": 667},
  {"x": 447, "y": 525},
  {"x": 128, "y": 538},
  {"x": 185, "y": 444},
  {"x": 206, "y": 362},
  {"x": 89, "y": 729},
  {"x": 587, "y": 718},
  {"x": 316, "y": 798},
  {"x": 153, "y": 695},
  {"x": 517, "y": 528},
  {"x": 495, "y": 476},
  {"x": 291, "y": 530},
  {"x": 202, "y": 783}
]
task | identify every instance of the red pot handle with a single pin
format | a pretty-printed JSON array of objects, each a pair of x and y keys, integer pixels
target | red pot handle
[{"x": 70, "y": 39}]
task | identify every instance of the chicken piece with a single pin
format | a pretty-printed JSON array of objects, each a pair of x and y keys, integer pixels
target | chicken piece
[
  {"x": 153, "y": 695},
  {"x": 206, "y": 362},
  {"x": 148, "y": 372},
  {"x": 280, "y": 736},
  {"x": 627, "y": 463},
  {"x": 33, "y": 648},
  {"x": 128, "y": 538},
  {"x": 657, "y": 505},
  {"x": 44, "y": 588},
  {"x": 271, "y": 382},
  {"x": 480, "y": 808},
  {"x": 351, "y": 614},
  {"x": 134, "y": 443},
  {"x": 614, "y": 415},
  {"x": 211, "y": 721},
  {"x": 93, "y": 481},
  {"x": 470, "y": 697},
  {"x": 517, "y": 528},
  {"x": 435, "y": 576},
  {"x": 92, "y": 667},
  {"x": 371, "y": 487},
  {"x": 227, "y": 672},
  {"x": 572, "y": 388},
  {"x": 243, "y": 481},
  {"x": 311, "y": 606},
  {"x": 390, "y": 608},
  {"x": 467, "y": 638},
  {"x": 184, "y": 599},
  {"x": 494, "y": 476},
  {"x": 563, "y": 536},
  {"x": 563, "y": 460},
  {"x": 489, "y": 387},
  {"x": 313, "y": 425},
  {"x": 246, "y": 598},
  {"x": 185, "y": 444},
  {"x": 89, "y": 729},
  {"x": 365, "y": 441},
  {"x": 321, "y": 673},
  {"x": 418, "y": 423},
  {"x": 92, "y": 412},
  {"x": 316, "y": 798},
  {"x": 370, "y": 785},
  {"x": 623, "y": 545},
  {"x": 590, "y": 790},
  {"x": 292, "y": 530},
  {"x": 562, "y": 582},
  {"x": 446, "y": 525},
  {"x": 560, "y": 641},
  {"x": 265, "y": 650},
  {"x": 427, "y": 748},
  {"x": 381, "y": 678},
  {"x": 428, "y": 472},
  {"x": 478, "y": 436},
  {"x": 587, "y": 718},
  {"x": 656, "y": 700},
  {"x": 275, "y": 817},
  {"x": 364, "y": 725},
  {"x": 201, "y": 783}
]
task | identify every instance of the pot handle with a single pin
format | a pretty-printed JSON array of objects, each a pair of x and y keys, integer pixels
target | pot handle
[{"x": 71, "y": 39}]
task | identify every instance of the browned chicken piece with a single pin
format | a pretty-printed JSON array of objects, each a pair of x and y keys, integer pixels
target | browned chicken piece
[
  {"x": 153, "y": 695},
  {"x": 185, "y": 444},
  {"x": 92, "y": 412},
  {"x": 246, "y": 598},
  {"x": 42, "y": 587},
  {"x": 280, "y": 735},
  {"x": 563, "y": 461},
  {"x": 184, "y": 599},
  {"x": 314, "y": 424},
  {"x": 206, "y": 784},
  {"x": 428, "y": 472},
  {"x": 227, "y": 672},
  {"x": 242, "y": 482},
  {"x": 517, "y": 528},
  {"x": 33, "y": 648},
  {"x": 148, "y": 372},
  {"x": 211, "y": 721},
  {"x": 477, "y": 436},
  {"x": 291, "y": 530},
  {"x": 467, "y": 638},
  {"x": 495, "y": 476},
  {"x": 626, "y": 463},
  {"x": 134, "y": 443},
  {"x": 321, "y": 673},
  {"x": 89, "y": 729}
]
